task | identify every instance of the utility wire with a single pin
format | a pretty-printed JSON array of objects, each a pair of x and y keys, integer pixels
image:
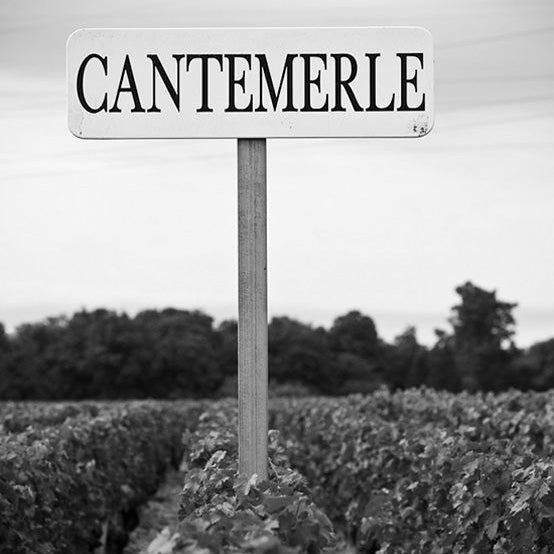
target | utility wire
[
  {"x": 496, "y": 78},
  {"x": 495, "y": 38}
]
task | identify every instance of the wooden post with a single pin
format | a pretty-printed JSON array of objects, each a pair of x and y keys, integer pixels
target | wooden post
[{"x": 252, "y": 324}]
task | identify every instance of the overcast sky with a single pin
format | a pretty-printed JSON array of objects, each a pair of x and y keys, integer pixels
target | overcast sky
[{"x": 389, "y": 227}]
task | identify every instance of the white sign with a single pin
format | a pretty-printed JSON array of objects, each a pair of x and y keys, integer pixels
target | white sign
[{"x": 231, "y": 83}]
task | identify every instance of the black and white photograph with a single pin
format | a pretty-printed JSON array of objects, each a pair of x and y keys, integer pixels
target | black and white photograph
[{"x": 277, "y": 277}]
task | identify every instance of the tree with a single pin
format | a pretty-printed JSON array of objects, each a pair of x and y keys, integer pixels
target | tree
[
  {"x": 356, "y": 334},
  {"x": 183, "y": 351},
  {"x": 442, "y": 372},
  {"x": 483, "y": 329},
  {"x": 405, "y": 361},
  {"x": 105, "y": 354},
  {"x": 358, "y": 353},
  {"x": 534, "y": 368},
  {"x": 227, "y": 332},
  {"x": 6, "y": 377},
  {"x": 300, "y": 353}
]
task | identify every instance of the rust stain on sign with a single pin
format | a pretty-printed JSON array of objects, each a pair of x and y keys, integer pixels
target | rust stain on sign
[{"x": 420, "y": 126}]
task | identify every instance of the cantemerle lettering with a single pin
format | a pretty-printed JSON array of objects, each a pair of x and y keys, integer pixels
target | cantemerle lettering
[{"x": 305, "y": 82}]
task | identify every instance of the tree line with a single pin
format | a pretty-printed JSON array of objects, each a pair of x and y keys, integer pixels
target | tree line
[{"x": 175, "y": 353}]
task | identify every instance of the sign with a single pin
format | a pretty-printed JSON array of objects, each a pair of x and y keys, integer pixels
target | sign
[{"x": 250, "y": 83}]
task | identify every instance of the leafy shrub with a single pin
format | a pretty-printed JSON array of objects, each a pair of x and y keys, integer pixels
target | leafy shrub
[
  {"x": 427, "y": 472},
  {"x": 60, "y": 486},
  {"x": 15, "y": 417},
  {"x": 224, "y": 512}
]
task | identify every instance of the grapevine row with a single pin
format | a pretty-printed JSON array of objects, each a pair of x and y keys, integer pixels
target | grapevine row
[{"x": 69, "y": 488}]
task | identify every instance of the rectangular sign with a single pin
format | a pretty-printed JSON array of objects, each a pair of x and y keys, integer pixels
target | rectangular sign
[{"x": 250, "y": 83}]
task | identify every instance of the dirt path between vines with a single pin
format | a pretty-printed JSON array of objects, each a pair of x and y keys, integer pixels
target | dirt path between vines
[{"x": 159, "y": 512}]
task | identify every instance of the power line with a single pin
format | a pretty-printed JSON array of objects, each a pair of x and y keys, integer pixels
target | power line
[
  {"x": 496, "y": 121},
  {"x": 495, "y": 38},
  {"x": 495, "y": 78},
  {"x": 507, "y": 101}
]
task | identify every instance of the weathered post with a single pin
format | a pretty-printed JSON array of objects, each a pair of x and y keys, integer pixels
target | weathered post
[{"x": 252, "y": 324}]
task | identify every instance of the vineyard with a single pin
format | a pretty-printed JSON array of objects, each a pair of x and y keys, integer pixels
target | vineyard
[{"x": 417, "y": 471}]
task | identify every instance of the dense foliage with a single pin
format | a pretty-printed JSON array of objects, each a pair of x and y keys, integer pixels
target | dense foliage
[
  {"x": 73, "y": 478},
  {"x": 15, "y": 417},
  {"x": 428, "y": 472},
  {"x": 224, "y": 512},
  {"x": 175, "y": 353},
  {"x": 416, "y": 471}
]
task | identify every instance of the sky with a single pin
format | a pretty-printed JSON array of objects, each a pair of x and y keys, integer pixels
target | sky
[{"x": 386, "y": 226}]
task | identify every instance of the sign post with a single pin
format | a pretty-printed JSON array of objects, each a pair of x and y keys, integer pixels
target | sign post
[
  {"x": 252, "y": 323},
  {"x": 250, "y": 84}
]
